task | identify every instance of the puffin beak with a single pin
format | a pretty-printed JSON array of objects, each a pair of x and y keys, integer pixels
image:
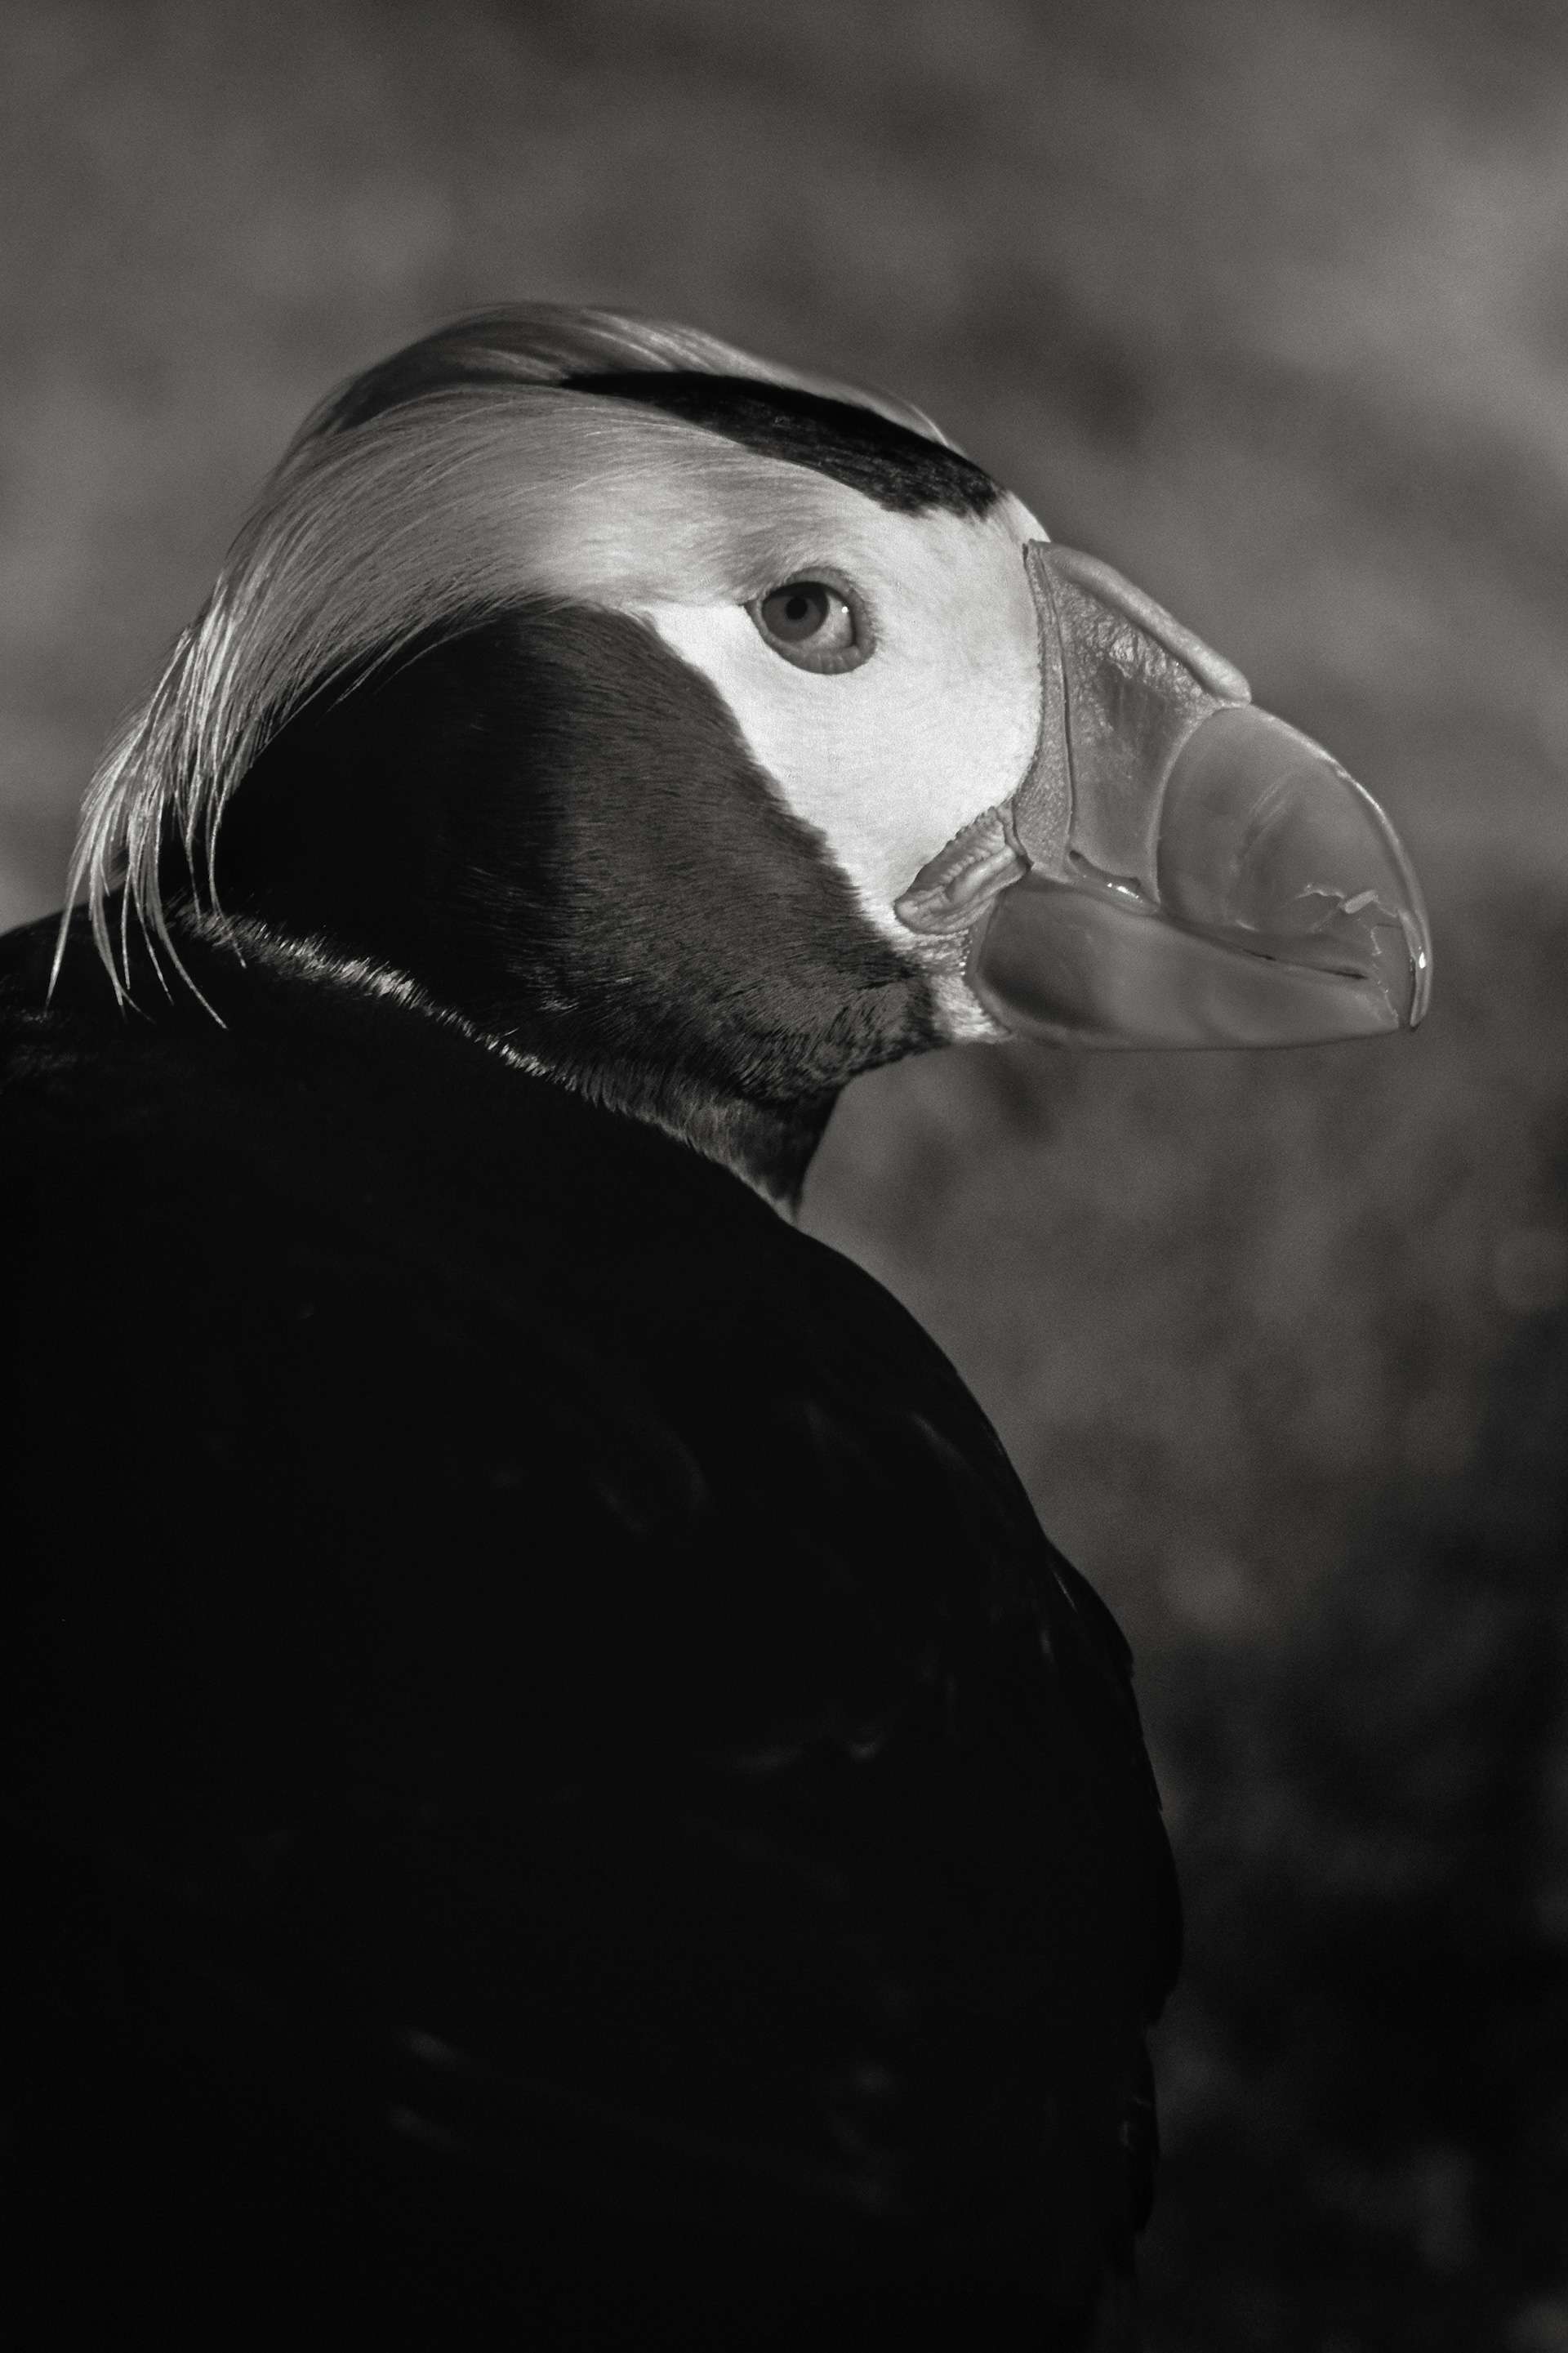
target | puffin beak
[{"x": 1194, "y": 872}]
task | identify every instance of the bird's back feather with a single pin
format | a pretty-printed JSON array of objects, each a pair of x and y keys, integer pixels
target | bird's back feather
[{"x": 548, "y": 1675}]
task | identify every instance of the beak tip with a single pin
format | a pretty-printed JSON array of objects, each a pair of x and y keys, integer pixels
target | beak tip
[{"x": 1265, "y": 840}]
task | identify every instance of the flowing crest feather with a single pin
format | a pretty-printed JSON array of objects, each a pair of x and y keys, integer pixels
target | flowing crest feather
[{"x": 430, "y": 491}]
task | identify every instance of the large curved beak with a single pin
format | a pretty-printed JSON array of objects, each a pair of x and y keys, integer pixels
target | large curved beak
[{"x": 1194, "y": 872}]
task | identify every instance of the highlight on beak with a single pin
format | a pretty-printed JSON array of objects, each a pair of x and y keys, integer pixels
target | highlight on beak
[{"x": 1191, "y": 871}]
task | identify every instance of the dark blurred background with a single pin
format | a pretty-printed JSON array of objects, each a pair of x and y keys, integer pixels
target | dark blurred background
[{"x": 1266, "y": 300}]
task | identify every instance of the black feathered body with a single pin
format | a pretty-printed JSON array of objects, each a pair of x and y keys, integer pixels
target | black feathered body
[
  {"x": 558, "y": 1791},
  {"x": 541, "y": 1678}
]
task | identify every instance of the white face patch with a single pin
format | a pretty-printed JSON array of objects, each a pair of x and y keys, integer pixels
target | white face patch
[
  {"x": 889, "y": 760},
  {"x": 485, "y": 495}
]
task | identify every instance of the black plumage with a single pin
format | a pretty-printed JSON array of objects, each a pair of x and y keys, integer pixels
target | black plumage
[
  {"x": 554, "y": 1789},
  {"x": 479, "y": 1579},
  {"x": 556, "y": 824},
  {"x": 903, "y": 470}
]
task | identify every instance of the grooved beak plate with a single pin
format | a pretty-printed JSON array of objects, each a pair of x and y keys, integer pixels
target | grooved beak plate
[{"x": 1207, "y": 876}]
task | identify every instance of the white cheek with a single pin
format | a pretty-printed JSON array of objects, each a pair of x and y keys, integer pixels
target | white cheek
[{"x": 888, "y": 761}]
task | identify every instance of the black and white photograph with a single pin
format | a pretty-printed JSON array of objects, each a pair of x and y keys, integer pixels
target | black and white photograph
[{"x": 784, "y": 1176}]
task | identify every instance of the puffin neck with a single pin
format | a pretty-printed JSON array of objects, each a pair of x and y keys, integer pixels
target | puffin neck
[{"x": 549, "y": 829}]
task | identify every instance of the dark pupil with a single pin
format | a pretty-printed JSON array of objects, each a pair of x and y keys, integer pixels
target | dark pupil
[{"x": 798, "y": 611}]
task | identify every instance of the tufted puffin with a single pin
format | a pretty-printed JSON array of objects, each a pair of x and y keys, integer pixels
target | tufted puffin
[{"x": 554, "y": 1792}]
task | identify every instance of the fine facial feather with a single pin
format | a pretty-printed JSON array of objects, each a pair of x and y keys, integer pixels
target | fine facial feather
[
  {"x": 391, "y": 525},
  {"x": 426, "y": 518},
  {"x": 555, "y": 822},
  {"x": 891, "y": 760}
]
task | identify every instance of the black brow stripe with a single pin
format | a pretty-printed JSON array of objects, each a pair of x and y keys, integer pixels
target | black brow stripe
[{"x": 897, "y": 468}]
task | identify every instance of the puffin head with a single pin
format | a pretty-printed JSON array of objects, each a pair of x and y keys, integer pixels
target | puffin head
[{"x": 701, "y": 734}]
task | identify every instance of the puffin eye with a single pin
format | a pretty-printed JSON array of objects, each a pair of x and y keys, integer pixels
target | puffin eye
[{"x": 813, "y": 625}]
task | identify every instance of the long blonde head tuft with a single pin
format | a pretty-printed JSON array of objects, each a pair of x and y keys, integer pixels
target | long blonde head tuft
[{"x": 432, "y": 489}]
